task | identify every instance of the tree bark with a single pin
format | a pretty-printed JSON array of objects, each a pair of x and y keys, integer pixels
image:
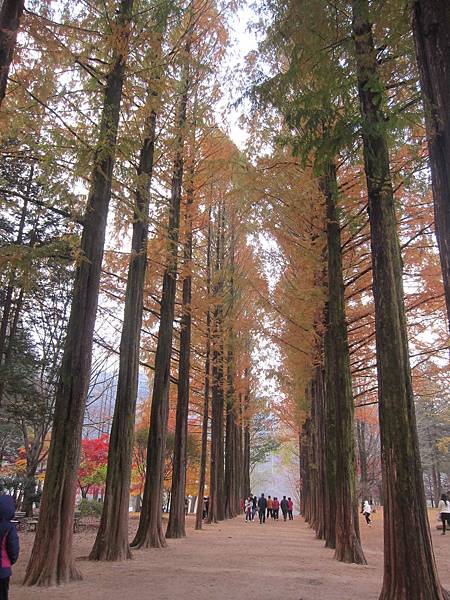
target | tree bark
[
  {"x": 409, "y": 566},
  {"x": 431, "y": 26},
  {"x": 362, "y": 449},
  {"x": 216, "y": 503},
  {"x": 51, "y": 559},
  {"x": 112, "y": 542},
  {"x": 339, "y": 387},
  {"x": 10, "y": 14},
  {"x": 231, "y": 438},
  {"x": 204, "y": 450},
  {"x": 176, "y": 525},
  {"x": 150, "y": 533},
  {"x": 246, "y": 441}
]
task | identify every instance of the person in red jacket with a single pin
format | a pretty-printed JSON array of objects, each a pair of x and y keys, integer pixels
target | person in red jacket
[
  {"x": 290, "y": 509},
  {"x": 275, "y": 508}
]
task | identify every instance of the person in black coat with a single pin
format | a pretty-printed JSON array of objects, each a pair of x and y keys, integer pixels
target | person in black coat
[
  {"x": 262, "y": 505},
  {"x": 284, "y": 507},
  {"x": 9, "y": 543}
]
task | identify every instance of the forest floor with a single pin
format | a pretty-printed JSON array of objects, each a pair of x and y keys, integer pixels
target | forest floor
[{"x": 230, "y": 561}]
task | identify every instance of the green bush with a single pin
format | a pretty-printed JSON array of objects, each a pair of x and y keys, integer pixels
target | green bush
[{"x": 90, "y": 508}]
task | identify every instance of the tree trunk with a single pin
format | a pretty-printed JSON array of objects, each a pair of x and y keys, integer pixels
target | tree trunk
[
  {"x": 150, "y": 532},
  {"x": 10, "y": 14},
  {"x": 112, "y": 542},
  {"x": 231, "y": 473},
  {"x": 51, "y": 560},
  {"x": 431, "y": 26},
  {"x": 204, "y": 451},
  {"x": 362, "y": 449},
  {"x": 176, "y": 525},
  {"x": 246, "y": 441},
  {"x": 216, "y": 503},
  {"x": 339, "y": 387},
  {"x": 409, "y": 566}
]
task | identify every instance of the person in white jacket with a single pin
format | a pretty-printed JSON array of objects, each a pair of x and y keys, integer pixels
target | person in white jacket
[
  {"x": 444, "y": 509},
  {"x": 248, "y": 509},
  {"x": 367, "y": 509}
]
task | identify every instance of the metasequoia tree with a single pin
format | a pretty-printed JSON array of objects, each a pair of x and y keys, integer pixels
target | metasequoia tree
[
  {"x": 339, "y": 386},
  {"x": 51, "y": 559},
  {"x": 176, "y": 524},
  {"x": 150, "y": 532},
  {"x": 431, "y": 26},
  {"x": 207, "y": 371},
  {"x": 10, "y": 14},
  {"x": 112, "y": 538},
  {"x": 409, "y": 566}
]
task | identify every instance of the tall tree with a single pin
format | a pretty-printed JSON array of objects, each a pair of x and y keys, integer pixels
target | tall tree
[
  {"x": 10, "y": 14},
  {"x": 431, "y": 26},
  {"x": 51, "y": 560},
  {"x": 150, "y": 531},
  {"x": 216, "y": 473},
  {"x": 207, "y": 367},
  {"x": 176, "y": 525},
  {"x": 112, "y": 538},
  {"x": 409, "y": 566},
  {"x": 339, "y": 386}
]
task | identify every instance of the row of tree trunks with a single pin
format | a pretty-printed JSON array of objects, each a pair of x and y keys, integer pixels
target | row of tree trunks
[
  {"x": 112, "y": 541},
  {"x": 409, "y": 564},
  {"x": 51, "y": 559},
  {"x": 150, "y": 532},
  {"x": 10, "y": 14},
  {"x": 431, "y": 26},
  {"x": 339, "y": 388}
]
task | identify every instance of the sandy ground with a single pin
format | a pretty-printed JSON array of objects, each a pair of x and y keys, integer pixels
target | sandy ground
[{"x": 229, "y": 561}]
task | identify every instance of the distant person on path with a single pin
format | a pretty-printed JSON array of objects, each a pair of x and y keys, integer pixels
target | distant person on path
[
  {"x": 269, "y": 506},
  {"x": 284, "y": 507},
  {"x": 254, "y": 506},
  {"x": 262, "y": 505},
  {"x": 275, "y": 508},
  {"x": 248, "y": 509},
  {"x": 290, "y": 509},
  {"x": 367, "y": 509},
  {"x": 444, "y": 509},
  {"x": 205, "y": 507},
  {"x": 9, "y": 543}
]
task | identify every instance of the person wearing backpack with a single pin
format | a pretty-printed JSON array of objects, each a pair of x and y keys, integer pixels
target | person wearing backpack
[{"x": 9, "y": 543}]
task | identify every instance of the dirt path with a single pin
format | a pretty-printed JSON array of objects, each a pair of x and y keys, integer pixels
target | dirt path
[{"x": 230, "y": 561}]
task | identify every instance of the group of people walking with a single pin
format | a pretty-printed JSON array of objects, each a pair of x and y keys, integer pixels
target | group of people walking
[{"x": 267, "y": 508}]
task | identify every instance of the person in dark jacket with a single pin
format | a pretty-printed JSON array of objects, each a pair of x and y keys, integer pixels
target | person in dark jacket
[
  {"x": 262, "y": 505},
  {"x": 9, "y": 543},
  {"x": 284, "y": 507}
]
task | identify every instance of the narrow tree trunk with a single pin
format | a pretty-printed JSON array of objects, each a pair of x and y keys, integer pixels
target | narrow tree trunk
[
  {"x": 204, "y": 450},
  {"x": 10, "y": 14},
  {"x": 431, "y": 26},
  {"x": 230, "y": 439},
  {"x": 362, "y": 449},
  {"x": 409, "y": 566},
  {"x": 246, "y": 440},
  {"x": 51, "y": 560},
  {"x": 150, "y": 533},
  {"x": 216, "y": 504},
  {"x": 176, "y": 525},
  {"x": 339, "y": 387}
]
